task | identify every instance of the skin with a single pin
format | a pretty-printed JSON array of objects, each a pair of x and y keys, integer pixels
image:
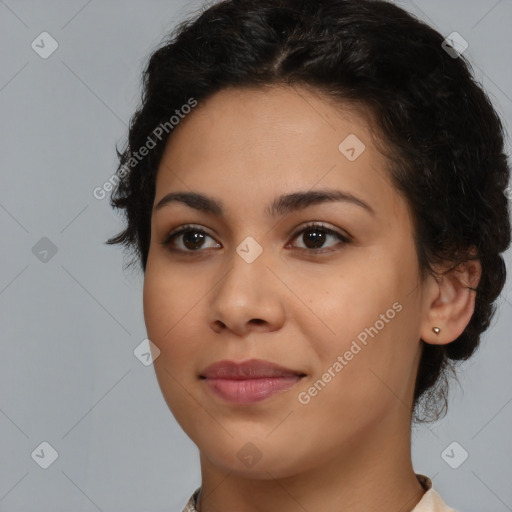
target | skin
[{"x": 349, "y": 447}]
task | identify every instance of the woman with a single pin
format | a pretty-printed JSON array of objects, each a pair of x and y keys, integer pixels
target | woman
[{"x": 315, "y": 191}]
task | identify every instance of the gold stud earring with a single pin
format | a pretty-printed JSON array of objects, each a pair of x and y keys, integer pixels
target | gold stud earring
[{"x": 436, "y": 330}]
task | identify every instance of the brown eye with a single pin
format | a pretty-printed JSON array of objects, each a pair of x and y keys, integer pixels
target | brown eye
[
  {"x": 192, "y": 239},
  {"x": 314, "y": 236}
]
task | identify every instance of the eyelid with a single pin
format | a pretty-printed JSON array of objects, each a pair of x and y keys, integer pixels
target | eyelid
[
  {"x": 185, "y": 227},
  {"x": 320, "y": 225},
  {"x": 344, "y": 237}
]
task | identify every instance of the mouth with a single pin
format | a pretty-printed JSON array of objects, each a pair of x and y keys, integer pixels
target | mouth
[{"x": 249, "y": 381}]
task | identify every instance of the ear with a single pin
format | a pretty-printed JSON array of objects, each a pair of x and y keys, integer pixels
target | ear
[{"x": 450, "y": 302}]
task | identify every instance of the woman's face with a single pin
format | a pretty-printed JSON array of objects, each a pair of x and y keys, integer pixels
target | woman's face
[{"x": 339, "y": 310}]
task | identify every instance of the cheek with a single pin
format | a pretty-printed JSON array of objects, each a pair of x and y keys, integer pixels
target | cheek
[
  {"x": 373, "y": 325},
  {"x": 350, "y": 302},
  {"x": 168, "y": 315},
  {"x": 167, "y": 300},
  {"x": 358, "y": 383},
  {"x": 157, "y": 304}
]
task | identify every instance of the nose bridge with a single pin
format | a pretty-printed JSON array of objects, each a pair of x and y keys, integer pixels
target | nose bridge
[
  {"x": 248, "y": 290},
  {"x": 248, "y": 270}
]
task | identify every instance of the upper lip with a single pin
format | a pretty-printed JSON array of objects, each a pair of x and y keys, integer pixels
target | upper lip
[{"x": 251, "y": 369}]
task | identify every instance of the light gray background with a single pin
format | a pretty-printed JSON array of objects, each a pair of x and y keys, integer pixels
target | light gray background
[{"x": 68, "y": 375}]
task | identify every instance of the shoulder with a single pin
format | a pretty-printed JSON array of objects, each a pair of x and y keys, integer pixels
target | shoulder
[
  {"x": 191, "y": 504},
  {"x": 431, "y": 500}
]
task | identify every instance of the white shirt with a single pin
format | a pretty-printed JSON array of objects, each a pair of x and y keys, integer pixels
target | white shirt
[{"x": 430, "y": 502}]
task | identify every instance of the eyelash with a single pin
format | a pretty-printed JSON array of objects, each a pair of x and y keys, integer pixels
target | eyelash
[{"x": 345, "y": 240}]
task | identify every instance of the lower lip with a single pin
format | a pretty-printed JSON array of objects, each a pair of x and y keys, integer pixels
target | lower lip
[{"x": 249, "y": 391}]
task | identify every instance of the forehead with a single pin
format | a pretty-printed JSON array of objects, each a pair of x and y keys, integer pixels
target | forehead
[
  {"x": 272, "y": 116},
  {"x": 250, "y": 144}
]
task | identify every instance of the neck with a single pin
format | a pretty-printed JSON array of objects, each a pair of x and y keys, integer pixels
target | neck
[{"x": 371, "y": 473}]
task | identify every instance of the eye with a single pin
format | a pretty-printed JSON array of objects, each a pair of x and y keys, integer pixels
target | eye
[
  {"x": 314, "y": 236},
  {"x": 192, "y": 239}
]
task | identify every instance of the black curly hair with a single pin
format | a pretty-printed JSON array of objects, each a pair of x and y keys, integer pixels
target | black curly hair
[{"x": 444, "y": 140}]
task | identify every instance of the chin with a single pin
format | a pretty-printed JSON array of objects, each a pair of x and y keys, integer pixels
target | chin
[{"x": 259, "y": 458}]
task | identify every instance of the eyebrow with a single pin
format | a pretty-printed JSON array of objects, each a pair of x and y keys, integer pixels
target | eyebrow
[{"x": 281, "y": 205}]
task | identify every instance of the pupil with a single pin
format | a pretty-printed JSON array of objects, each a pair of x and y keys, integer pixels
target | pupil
[
  {"x": 317, "y": 237},
  {"x": 192, "y": 239}
]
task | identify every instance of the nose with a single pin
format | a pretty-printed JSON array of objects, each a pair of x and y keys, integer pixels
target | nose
[{"x": 248, "y": 298}]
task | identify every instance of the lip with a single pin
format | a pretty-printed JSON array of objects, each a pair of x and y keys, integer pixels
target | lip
[{"x": 249, "y": 381}]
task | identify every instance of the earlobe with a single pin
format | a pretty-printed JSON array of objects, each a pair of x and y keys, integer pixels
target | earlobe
[{"x": 450, "y": 303}]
